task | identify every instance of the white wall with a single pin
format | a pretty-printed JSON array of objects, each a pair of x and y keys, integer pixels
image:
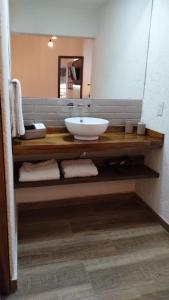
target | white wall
[
  {"x": 121, "y": 50},
  {"x": 53, "y": 17},
  {"x": 156, "y": 192},
  {"x": 5, "y": 104}
]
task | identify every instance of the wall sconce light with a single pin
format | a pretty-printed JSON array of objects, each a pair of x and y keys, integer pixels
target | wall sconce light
[
  {"x": 54, "y": 38},
  {"x": 50, "y": 43}
]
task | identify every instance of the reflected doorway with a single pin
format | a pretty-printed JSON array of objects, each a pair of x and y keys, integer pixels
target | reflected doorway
[{"x": 70, "y": 77}]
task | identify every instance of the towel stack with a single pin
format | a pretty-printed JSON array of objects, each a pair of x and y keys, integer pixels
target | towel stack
[
  {"x": 49, "y": 170},
  {"x": 78, "y": 168},
  {"x": 46, "y": 170}
]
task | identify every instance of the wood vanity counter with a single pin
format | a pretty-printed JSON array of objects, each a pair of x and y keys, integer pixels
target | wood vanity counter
[{"x": 61, "y": 142}]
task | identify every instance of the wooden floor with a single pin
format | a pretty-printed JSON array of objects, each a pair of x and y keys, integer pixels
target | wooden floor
[{"x": 93, "y": 252}]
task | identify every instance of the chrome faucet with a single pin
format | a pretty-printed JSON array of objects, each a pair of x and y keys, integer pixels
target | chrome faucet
[
  {"x": 70, "y": 104},
  {"x": 80, "y": 107}
]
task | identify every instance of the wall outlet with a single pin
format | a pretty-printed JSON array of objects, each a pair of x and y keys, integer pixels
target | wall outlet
[{"x": 160, "y": 109}]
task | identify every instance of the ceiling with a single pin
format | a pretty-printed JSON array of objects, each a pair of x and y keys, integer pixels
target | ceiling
[
  {"x": 93, "y": 3},
  {"x": 78, "y": 3}
]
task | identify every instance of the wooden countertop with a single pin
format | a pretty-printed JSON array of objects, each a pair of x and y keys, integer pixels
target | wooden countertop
[{"x": 60, "y": 142}]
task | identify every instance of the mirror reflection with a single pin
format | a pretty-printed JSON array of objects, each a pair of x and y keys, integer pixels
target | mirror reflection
[
  {"x": 70, "y": 77},
  {"x": 52, "y": 67}
]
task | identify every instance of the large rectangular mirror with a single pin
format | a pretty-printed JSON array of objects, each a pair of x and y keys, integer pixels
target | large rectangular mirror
[
  {"x": 110, "y": 36},
  {"x": 51, "y": 67}
]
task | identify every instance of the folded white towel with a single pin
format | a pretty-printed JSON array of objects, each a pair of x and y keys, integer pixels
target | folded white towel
[
  {"x": 46, "y": 170},
  {"x": 78, "y": 168}
]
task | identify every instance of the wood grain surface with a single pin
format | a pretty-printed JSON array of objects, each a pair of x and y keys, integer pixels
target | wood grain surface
[
  {"x": 60, "y": 142},
  {"x": 96, "y": 251}
]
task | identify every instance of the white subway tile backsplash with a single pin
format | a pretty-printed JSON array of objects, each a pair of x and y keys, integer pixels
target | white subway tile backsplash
[
  {"x": 29, "y": 108},
  {"x": 52, "y": 123},
  {"x": 52, "y": 112},
  {"x": 114, "y": 102}
]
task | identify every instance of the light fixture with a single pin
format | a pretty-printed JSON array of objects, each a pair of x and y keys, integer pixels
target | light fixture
[
  {"x": 54, "y": 37},
  {"x": 50, "y": 43}
]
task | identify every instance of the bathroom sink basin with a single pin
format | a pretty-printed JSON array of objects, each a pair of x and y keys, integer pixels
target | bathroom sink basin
[{"x": 85, "y": 128}]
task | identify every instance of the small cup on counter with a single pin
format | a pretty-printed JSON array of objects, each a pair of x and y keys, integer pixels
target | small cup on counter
[
  {"x": 141, "y": 128},
  {"x": 129, "y": 127}
]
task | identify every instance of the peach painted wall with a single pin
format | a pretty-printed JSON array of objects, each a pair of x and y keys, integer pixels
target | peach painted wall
[{"x": 36, "y": 65}]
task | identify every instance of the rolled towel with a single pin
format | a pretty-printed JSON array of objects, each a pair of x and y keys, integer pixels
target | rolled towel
[
  {"x": 17, "y": 121},
  {"x": 78, "y": 168},
  {"x": 46, "y": 170}
]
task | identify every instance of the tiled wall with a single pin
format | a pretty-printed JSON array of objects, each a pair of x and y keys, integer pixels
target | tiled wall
[{"x": 52, "y": 112}]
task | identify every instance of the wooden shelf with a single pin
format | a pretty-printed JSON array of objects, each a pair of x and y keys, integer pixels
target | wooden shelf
[
  {"x": 63, "y": 142},
  {"x": 106, "y": 173}
]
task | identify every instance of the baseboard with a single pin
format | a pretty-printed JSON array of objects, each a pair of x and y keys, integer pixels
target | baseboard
[
  {"x": 152, "y": 212},
  {"x": 25, "y": 207},
  {"x": 12, "y": 289},
  {"x": 14, "y": 285}
]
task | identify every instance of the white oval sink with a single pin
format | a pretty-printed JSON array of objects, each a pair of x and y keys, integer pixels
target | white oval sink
[{"x": 86, "y": 129}]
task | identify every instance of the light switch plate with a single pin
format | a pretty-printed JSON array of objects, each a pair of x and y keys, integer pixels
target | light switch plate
[{"x": 160, "y": 109}]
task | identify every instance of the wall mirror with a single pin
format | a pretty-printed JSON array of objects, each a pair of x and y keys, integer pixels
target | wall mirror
[
  {"x": 52, "y": 68},
  {"x": 111, "y": 36}
]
